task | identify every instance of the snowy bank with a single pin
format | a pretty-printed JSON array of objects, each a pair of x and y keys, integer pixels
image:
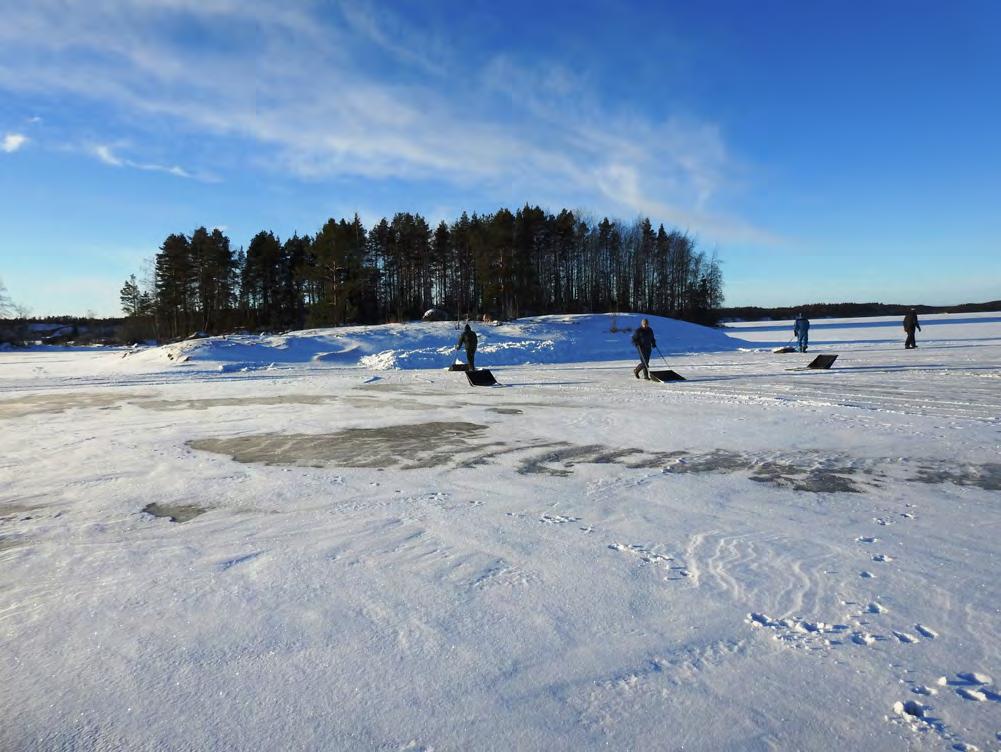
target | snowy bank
[{"x": 538, "y": 340}]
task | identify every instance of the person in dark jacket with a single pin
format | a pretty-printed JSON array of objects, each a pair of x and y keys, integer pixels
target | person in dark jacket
[
  {"x": 910, "y": 324},
  {"x": 645, "y": 342},
  {"x": 468, "y": 339},
  {"x": 801, "y": 330}
]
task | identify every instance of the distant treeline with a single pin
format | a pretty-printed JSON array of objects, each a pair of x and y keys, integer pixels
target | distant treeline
[
  {"x": 504, "y": 265},
  {"x": 848, "y": 310},
  {"x": 60, "y": 330}
]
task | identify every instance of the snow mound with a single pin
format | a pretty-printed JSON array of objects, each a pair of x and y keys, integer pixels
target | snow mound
[{"x": 431, "y": 344}]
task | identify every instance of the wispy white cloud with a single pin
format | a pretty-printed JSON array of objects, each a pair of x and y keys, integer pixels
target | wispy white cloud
[
  {"x": 12, "y": 142},
  {"x": 386, "y": 32},
  {"x": 105, "y": 154},
  {"x": 297, "y": 85}
]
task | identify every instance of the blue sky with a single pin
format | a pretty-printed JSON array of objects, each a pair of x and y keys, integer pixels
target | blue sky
[{"x": 827, "y": 151}]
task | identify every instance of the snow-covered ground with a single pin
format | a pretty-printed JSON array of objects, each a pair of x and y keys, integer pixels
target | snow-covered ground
[{"x": 371, "y": 554}]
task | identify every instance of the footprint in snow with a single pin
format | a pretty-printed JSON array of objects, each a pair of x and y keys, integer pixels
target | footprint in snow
[
  {"x": 924, "y": 631},
  {"x": 866, "y": 575},
  {"x": 867, "y": 539},
  {"x": 912, "y": 708},
  {"x": 906, "y": 638},
  {"x": 975, "y": 677},
  {"x": 414, "y": 746},
  {"x": 237, "y": 561},
  {"x": 798, "y": 632},
  {"x": 882, "y": 558},
  {"x": 649, "y": 556},
  {"x": 918, "y": 716},
  {"x": 556, "y": 519},
  {"x": 971, "y": 694},
  {"x": 971, "y": 685}
]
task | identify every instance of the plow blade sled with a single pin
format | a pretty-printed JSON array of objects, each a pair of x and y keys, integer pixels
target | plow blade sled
[
  {"x": 666, "y": 376},
  {"x": 822, "y": 361},
  {"x": 482, "y": 377}
]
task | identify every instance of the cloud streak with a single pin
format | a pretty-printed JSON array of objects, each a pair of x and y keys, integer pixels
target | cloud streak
[
  {"x": 105, "y": 154},
  {"x": 302, "y": 88}
]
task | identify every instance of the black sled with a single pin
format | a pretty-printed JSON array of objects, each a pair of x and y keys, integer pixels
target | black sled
[
  {"x": 666, "y": 376},
  {"x": 822, "y": 362},
  {"x": 482, "y": 377}
]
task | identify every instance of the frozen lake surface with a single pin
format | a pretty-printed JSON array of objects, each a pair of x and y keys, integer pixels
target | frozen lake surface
[{"x": 320, "y": 541}]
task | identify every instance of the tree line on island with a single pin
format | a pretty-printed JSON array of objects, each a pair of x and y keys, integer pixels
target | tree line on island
[{"x": 503, "y": 265}]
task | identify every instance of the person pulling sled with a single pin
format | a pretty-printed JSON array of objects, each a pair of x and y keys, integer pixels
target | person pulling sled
[
  {"x": 644, "y": 341},
  {"x": 801, "y": 330},
  {"x": 468, "y": 339}
]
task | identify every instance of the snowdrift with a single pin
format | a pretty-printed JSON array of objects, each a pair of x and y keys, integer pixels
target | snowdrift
[{"x": 537, "y": 340}]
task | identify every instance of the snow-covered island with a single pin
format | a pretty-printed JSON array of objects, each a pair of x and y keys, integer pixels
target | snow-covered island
[{"x": 326, "y": 540}]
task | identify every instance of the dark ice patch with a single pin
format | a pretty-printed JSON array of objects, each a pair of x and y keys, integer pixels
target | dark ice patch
[
  {"x": 459, "y": 445},
  {"x": 205, "y": 404},
  {"x": 986, "y": 476},
  {"x": 409, "y": 447},
  {"x": 59, "y": 402}
]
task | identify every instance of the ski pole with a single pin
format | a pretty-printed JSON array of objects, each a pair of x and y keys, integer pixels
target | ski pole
[{"x": 643, "y": 360}]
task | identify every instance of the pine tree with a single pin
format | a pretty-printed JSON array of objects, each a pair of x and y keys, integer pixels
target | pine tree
[
  {"x": 174, "y": 280},
  {"x": 260, "y": 280},
  {"x": 131, "y": 297}
]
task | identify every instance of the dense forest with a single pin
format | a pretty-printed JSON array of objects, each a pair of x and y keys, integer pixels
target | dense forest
[{"x": 503, "y": 265}]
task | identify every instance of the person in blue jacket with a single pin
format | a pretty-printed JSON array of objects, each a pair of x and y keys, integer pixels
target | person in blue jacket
[{"x": 801, "y": 329}]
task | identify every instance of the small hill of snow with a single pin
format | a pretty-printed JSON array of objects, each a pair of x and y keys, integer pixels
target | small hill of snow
[{"x": 431, "y": 344}]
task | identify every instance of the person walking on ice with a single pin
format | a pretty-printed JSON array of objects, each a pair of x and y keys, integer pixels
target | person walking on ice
[
  {"x": 801, "y": 330},
  {"x": 644, "y": 341},
  {"x": 910, "y": 324},
  {"x": 468, "y": 338}
]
